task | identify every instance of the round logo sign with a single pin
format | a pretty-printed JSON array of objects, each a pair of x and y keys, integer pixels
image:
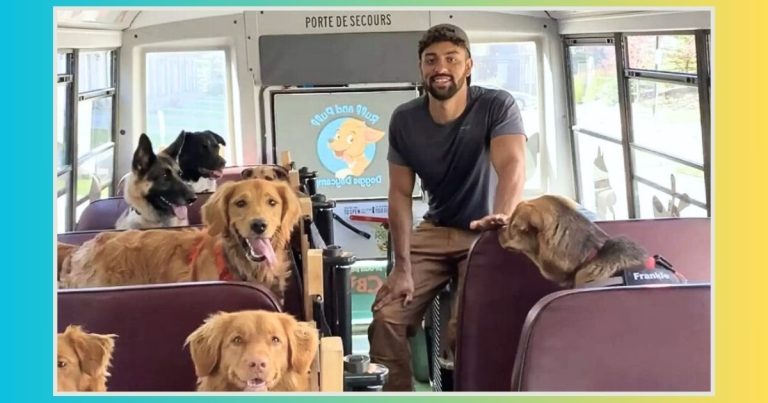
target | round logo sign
[{"x": 346, "y": 146}]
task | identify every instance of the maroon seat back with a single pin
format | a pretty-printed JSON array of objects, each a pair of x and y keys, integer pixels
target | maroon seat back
[
  {"x": 685, "y": 242},
  {"x": 195, "y": 210},
  {"x": 502, "y": 286},
  {"x": 619, "y": 339},
  {"x": 499, "y": 289},
  {"x": 77, "y": 237},
  {"x": 152, "y": 323},
  {"x": 103, "y": 213}
]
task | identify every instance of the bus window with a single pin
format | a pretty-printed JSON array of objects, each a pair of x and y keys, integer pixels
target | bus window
[
  {"x": 85, "y": 117},
  {"x": 513, "y": 67},
  {"x": 186, "y": 91},
  {"x": 640, "y": 141}
]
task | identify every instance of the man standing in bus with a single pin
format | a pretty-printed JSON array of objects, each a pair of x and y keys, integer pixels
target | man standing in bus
[{"x": 450, "y": 137}]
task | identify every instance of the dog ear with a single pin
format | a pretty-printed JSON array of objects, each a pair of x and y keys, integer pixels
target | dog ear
[
  {"x": 216, "y": 137},
  {"x": 526, "y": 217},
  {"x": 246, "y": 173},
  {"x": 303, "y": 340},
  {"x": 216, "y": 209},
  {"x": 281, "y": 173},
  {"x": 143, "y": 157},
  {"x": 291, "y": 212},
  {"x": 174, "y": 149},
  {"x": 93, "y": 350},
  {"x": 205, "y": 343},
  {"x": 519, "y": 226},
  {"x": 373, "y": 135}
]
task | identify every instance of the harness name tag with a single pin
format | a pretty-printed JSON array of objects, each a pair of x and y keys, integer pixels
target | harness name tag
[{"x": 643, "y": 276}]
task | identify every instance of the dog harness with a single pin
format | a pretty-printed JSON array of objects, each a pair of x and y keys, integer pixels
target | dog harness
[
  {"x": 221, "y": 261},
  {"x": 656, "y": 270}
]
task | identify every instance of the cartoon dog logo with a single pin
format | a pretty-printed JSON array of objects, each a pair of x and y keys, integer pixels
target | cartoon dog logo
[{"x": 354, "y": 143}]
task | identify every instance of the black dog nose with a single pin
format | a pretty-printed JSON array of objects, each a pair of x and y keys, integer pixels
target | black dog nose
[
  {"x": 258, "y": 226},
  {"x": 191, "y": 199}
]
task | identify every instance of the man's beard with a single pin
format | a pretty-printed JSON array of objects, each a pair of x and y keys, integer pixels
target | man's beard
[{"x": 442, "y": 94}]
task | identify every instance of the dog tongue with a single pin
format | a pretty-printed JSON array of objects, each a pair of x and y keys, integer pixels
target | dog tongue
[
  {"x": 254, "y": 385},
  {"x": 218, "y": 173},
  {"x": 180, "y": 212},
  {"x": 262, "y": 246}
]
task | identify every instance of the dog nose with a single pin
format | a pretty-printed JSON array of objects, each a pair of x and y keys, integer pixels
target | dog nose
[
  {"x": 258, "y": 362},
  {"x": 258, "y": 226},
  {"x": 191, "y": 199}
]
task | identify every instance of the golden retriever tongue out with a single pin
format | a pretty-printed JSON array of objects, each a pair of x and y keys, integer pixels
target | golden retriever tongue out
[
  {"x": 180, "y": 212},
  {"x": 261, "y": 249},
  {"x": 255, "y": 385}
]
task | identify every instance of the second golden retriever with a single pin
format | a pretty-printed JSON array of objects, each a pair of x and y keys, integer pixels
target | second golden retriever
[
  {"x": 268, "y": 172},
  {"x": 253, "y": 351},
  {"x": 249, "y": 224},
  {"x": 567, "y": 247},
  {"x": 82, "y": 360}
]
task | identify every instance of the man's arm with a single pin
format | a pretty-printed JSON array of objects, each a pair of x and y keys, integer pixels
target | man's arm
[
  {"x": 508, "y": 159},
  {"x": 401, "y": 182},
  {"x": 400, "y": 281}
]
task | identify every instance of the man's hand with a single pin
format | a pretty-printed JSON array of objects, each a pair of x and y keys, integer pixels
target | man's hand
[
  {"x": 399, "y": 285},
  {"x": 491, "y": 221}
]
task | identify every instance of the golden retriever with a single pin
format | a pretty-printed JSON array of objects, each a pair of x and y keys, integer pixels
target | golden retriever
[
  {"x": 565, "y": 246},
  {"x": 82, "y": 360},
  {"x": 248, "y": 226},
  {"x": 253, "y": 351},
  {"x": 349, "y": 145}
]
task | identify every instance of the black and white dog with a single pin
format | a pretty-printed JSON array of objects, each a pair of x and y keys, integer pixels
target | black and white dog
[{"x": 198, "y": 158}]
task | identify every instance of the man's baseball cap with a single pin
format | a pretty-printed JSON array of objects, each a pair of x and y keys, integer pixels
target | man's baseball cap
[{"x": 441, "y": 33}]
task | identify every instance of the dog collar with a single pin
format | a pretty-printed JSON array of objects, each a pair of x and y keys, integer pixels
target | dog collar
[
  {"x": 220, "y": 261},
  {"x": 590, "y": 257},
  {"x": 654, "y": 271}
]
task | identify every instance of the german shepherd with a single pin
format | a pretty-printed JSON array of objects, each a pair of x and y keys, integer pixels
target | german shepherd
[
  {"x": 155, "y": 190},
  {"x": 198, "y": 158}
]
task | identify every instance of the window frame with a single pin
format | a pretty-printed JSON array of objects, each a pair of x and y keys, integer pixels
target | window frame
[
  {"x": 71, "y": 78},
  {"x": 701, "y": 80}
]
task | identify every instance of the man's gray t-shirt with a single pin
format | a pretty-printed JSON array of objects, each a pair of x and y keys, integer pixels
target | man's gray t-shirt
[{"x": 453, "y": 160}]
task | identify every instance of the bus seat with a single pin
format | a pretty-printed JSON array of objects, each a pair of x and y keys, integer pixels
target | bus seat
[
  {"x": 233, "y": 173},
  {"x": 102, "y": 214},
  {"x": 152, "y": 323},
  {"x": 77, "y": 237},
  {"x": 491, "y": 316},
  {"x": 230, "y": 174},
  {"x": 628, "y": 339},
  {"x": 293, "y": 299},
  {"x": 499, "y": 288},
  {"x": 685, "y": 242}
]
